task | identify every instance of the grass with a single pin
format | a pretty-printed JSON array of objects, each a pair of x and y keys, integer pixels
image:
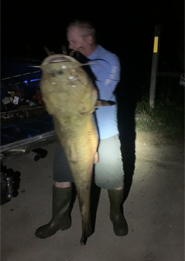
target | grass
[{"x": 166, "y": 119}]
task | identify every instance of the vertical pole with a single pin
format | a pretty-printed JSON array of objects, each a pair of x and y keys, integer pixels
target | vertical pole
[{"x": 154, "y": 66}]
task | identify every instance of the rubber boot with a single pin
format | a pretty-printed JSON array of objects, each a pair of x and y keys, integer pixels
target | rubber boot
[
  {"x": 61, "y": 213},
  {"x": 120, "y": 225}
]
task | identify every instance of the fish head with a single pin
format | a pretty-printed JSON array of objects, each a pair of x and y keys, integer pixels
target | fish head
[
  {"x": 64, "y": 71},
  {"x": 64, "y": 79},
  {"x": 59, "y": 62}
]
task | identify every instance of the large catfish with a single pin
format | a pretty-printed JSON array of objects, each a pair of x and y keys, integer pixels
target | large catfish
[{"x": 70, "y": 97}]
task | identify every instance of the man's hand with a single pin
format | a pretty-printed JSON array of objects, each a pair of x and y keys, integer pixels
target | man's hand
[{"x": 100, "y": 103}]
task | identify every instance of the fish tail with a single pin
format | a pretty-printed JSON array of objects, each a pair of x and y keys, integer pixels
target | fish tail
[
  {"x": 86, "y": 232},
  {"x": 86, "y": 220}
]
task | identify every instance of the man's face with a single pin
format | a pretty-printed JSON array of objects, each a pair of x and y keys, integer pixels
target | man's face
[{"x": 78, "y": 41}]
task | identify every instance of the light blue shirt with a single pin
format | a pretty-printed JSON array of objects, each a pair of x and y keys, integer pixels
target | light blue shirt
[{"x": 107, "y": 73}]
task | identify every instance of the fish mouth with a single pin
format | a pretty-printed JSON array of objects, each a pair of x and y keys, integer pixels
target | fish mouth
[{"x": 58, "y": 58}]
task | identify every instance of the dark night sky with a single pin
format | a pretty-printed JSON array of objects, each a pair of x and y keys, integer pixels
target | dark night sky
[
  {"x": 44, "y": 22},
  {"x": 126, "y": 29}
]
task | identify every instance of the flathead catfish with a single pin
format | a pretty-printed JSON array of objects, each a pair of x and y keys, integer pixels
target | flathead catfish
[{"x": 70, "y": 97}]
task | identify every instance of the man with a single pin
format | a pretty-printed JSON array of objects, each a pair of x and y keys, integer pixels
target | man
[{"x": 109, "y": 170}]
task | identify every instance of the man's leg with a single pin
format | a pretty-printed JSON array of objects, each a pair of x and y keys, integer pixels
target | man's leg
[
  {"x": 64, "y": 196},
  {"x": 62, "y": 184},
  {"x": 60, "y": 213},
  {"x": 109, "y": 175},
  {"x": 119, "y": 222}
]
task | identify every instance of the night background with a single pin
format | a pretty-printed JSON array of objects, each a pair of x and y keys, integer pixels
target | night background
[
  {"x": 124, "y": 27},
  {"x": 152, "y": 139}
]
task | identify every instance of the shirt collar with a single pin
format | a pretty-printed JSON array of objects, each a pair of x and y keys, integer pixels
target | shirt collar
[{"x": 94, "y": 55}]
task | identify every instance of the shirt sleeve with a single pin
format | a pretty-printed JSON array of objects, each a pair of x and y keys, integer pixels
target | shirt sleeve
[{"x": 108, "y": 77}]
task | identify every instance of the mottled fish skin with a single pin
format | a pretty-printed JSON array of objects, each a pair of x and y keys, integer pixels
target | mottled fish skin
[{"x": 70, "y": 97}]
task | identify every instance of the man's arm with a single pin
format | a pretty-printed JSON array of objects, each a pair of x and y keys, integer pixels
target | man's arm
[{"x": 108, "y": 77}]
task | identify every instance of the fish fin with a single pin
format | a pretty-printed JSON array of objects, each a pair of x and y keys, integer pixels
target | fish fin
[
  {"x": 48, "y": 51},
  {"x": 85, "y": 234},
  {"x": 64, "y": 50},
  {"x": 84, "y": 109},
  {"x": 87, "y": 104},
  {"x": 72, "y": 152},
  {"x": 96, "y": 158},
  {"x": 83, "y": 240}
]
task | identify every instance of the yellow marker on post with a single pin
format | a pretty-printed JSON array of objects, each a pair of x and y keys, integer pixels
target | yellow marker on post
[
  {"x": 156, "y": 38},
  {"x": 157, "y": 31}
]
